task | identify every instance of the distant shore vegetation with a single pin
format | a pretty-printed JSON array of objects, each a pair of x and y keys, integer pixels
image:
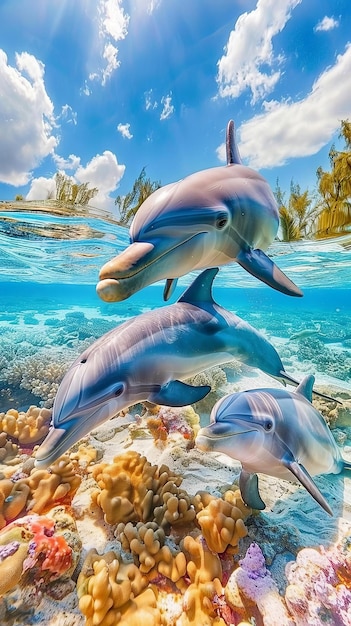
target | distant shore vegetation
[{"x": 304, "y": 214}]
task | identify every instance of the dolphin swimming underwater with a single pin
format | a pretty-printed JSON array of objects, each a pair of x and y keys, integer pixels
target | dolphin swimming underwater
[
  {"x": 210, "y": 218},
  {"x": 274, "y": 432},
  {"x": 147, "y": 357}
]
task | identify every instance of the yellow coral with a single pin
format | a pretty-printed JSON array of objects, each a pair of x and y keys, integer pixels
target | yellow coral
[
  {"x": 222, "y": 525},
  {"x": 205, "y": 572},
  {"x": 113, "y": 593},
  {"x": 131, "y": 489},
  {"x": 8, "y": 450},
  {"x": 146, "y": 543},
  {"x": 55, "y": 484},
  {"x": 27, "y": 427}
]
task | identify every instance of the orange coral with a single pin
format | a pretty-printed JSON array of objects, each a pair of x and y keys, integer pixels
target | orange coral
[
  {"x": 205, "y": 572},
  {"x": 32, "y": 543}
]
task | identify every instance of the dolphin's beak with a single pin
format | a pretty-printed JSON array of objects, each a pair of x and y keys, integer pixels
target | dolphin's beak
[
  {"x": 144, "y": 263},
  {"x": 60, "y": 438},
  {"x": 208, "y": 436},
  {"x": 57, "y": 441}
]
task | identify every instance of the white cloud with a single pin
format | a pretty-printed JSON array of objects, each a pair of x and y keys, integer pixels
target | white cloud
[
  {"x": 113, "y": 27},
  {"x": 327, "y": 23},
  {"x": 110, "y": 54},
  {"x": 113, "y": 20},
  {"x": 103, "y": 172},
  {"x": 168, "y": 108},
  {"x": 152, "y": 5},
  {"x": 297, "y": 129},
  {"x": 124, "y": 129},
  {"x": 26, "y": 118},
  {"x": 68, "y": 115},
  {"x": 71, "y": 163},
  {"x": 249, "y": 50},
  {"x": 150, "y": 102},
  {"x": 86, "y": 91},
  {"x": 42, "y": 189}
]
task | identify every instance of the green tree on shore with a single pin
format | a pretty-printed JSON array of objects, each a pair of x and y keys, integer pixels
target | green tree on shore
[
  {"x": 69, "y": 192},
  {"x": 334, "y": 189},
  {"x": 296, "y": 215},
  {"x": 129, "y": 204}
]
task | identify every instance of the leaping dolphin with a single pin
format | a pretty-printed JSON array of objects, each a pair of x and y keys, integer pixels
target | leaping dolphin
[
  {"x": 274, "y": 432},
  {"x": 210, "y": 218},
  {"x": 147, "y": 357}
]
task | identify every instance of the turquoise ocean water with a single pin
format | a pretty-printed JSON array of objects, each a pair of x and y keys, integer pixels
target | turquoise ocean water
[{"x": 49, "y": 265}]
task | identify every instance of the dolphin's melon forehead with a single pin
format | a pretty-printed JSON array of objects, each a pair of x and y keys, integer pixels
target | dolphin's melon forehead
[{"x": 206, "y": 188}]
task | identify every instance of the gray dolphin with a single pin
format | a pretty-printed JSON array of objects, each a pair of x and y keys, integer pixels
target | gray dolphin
[
  {"x": 274, "y": 432},
  {"x": 210, "y": 218},
  {"x": 147, "y": 357}
]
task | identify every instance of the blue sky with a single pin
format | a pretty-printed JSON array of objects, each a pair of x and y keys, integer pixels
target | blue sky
[{"x": 100, "y": 88}]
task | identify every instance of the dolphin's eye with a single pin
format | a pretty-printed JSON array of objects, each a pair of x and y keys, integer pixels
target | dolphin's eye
[
  {"x": 83, "y": 361},
  {"x": 221, "y": 221},
  {"x": 268, "y": 425},
  {"x": 118, "y": 391}
]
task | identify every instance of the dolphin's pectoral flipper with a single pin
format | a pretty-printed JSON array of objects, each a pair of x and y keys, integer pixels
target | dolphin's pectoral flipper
[
  {"x": 302, "y": 475},
  {"x": 176, "y": 393},
  {"x": 257, "y": 263},
  {"x": 248, "y": 484},
  {"x": 170, "y": 286}
]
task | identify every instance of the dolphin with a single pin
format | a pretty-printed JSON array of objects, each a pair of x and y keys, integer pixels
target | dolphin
[
  {"x": 208, "y": 219},
  {"x": 274, "y": 432},
  {"x": 146, "y": 359}
]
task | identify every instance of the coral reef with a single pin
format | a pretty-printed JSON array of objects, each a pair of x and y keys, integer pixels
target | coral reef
[
  {"x": 8, "y": 450},
  {"x": 222, "y": 524},
  {"x": 112, "y": 593},
  {"x": 131, "y": 489},
  {"x": 252, "y": 592},
  {"x": 27, "y": 427},
  {"x": 36, "y": 548},
  {"x": 319, "y": 589},
  {"x": 38, "y": 491}
]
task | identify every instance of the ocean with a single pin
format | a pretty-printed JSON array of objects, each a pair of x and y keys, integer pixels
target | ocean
[{"x": 49, "y": 314}]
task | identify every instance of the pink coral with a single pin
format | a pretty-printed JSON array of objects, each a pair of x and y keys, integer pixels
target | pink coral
[
  {"x": 319, "y": 585},
  {"x": 252, "y": 592}
]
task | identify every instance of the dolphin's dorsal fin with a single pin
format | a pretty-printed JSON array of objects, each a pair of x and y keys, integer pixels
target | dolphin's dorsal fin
[
  {"x": 305, "y": 388},
  {"x": 201, "y": 289},
  {"x": 232, "y": 150}
]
